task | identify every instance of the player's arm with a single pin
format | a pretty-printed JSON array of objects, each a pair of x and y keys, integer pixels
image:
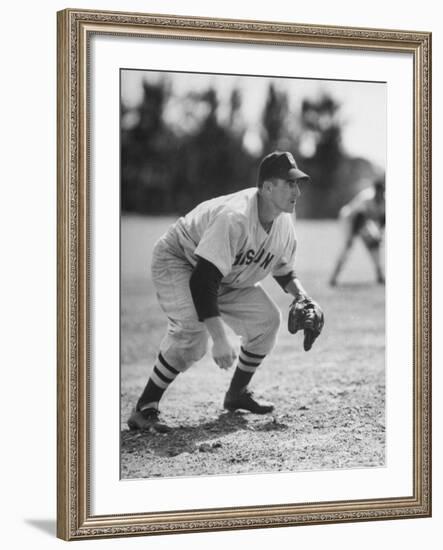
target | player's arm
[
  {"x": 204, "y": 284},
  {"x": 303, "y": 312},
  {"x": 293, "y": 286}
]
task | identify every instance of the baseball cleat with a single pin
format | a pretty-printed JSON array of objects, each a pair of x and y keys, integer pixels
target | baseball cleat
[
  {"x": 245, "y": 401},
  {"x": 147, "y": 420}
]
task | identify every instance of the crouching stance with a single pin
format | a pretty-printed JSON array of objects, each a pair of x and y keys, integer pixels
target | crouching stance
[
  {"x": 207, "y": 270},
  {"x": 364, "y": 217}
]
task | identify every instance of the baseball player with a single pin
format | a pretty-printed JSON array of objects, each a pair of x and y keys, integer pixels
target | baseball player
[
  {"x": 207, "y": 270},
  {"x": 364, "y": 217}
]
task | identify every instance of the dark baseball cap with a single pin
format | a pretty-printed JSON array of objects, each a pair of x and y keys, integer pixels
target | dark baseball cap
[
  {"x": 379, "y": 183},
  {"x": 281, "y": 165}
]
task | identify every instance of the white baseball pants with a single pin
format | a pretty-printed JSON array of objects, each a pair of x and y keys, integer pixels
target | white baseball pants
[{"x": 250, "y": 312}]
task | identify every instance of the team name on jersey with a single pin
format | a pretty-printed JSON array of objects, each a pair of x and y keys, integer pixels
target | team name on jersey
[{"x": 251, "y": 256}]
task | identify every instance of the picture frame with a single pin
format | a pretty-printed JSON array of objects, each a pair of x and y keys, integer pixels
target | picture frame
[{"x": 78, "y": 254}]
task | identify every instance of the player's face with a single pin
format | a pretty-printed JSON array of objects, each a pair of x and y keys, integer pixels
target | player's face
[{"x": 284, "y": 194}]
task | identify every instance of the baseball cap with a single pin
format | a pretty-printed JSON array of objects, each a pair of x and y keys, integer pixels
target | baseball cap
[
  {"x": 379, "y": 182},
  {"x": 280, "y": 164}
]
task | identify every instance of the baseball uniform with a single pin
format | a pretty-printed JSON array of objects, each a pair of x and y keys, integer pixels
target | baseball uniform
[
  {"x": 208, "y": 265},
  {"x": 363, "y": 216},
  {"x": 225, "y": 231}
]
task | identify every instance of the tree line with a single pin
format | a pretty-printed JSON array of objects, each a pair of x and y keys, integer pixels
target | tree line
[{"x": 169, "y": 166}]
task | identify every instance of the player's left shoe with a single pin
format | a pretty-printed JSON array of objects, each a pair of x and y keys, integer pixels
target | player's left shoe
[
  {"x": 148, "y": 420},
  {"x": 245, "y": 401}
]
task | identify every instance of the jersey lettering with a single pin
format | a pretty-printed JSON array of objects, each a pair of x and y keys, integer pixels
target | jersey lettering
[
  {"x": 249, "y": 256},
  {"x": 246, "y": 258},
  {"x": 238, "y": 258},
  {"x": 267, "y": 260},
  {"x": 226, "y": 231},
  {"x": 258, "y": 258}
]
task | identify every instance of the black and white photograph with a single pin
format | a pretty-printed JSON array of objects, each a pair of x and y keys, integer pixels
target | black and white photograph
[
  {"x": 243, "y": 274},
  {"x": 252, "y": 274}
]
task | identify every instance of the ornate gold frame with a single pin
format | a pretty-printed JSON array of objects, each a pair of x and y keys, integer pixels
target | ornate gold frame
[{"x": 73, "y": 515}]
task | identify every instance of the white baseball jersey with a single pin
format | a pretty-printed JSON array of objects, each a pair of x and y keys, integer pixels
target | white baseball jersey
[
  {"x": 227, "y": 232},
  {"x": 365, "y": 203}
]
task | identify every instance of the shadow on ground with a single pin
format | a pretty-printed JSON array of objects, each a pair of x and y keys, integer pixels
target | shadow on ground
[
  {"x": 48, "y": 526},
  {"x": 202, "y": 437}
]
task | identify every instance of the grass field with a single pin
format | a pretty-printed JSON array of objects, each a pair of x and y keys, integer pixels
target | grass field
[{"x": 329, "y": 402}]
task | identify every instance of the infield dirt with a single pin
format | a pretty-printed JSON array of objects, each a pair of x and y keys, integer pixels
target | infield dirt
[{"x": 329, "y": 403}]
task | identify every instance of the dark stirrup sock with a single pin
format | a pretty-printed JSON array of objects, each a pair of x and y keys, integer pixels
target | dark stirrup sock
[
  {"x": 162, "y": 375},
  {"x": 248, "y": 363}
]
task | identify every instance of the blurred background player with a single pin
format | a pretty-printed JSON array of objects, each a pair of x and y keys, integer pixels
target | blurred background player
[{"x": 364, "y": 217}]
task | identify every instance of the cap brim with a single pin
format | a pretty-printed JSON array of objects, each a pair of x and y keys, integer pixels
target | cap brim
[{"x": 296, "y": 174}]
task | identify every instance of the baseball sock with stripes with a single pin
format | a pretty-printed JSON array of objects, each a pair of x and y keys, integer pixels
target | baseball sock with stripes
[
  {"x": 248, "y": 363},
  {"x": 162, "y": 375}
]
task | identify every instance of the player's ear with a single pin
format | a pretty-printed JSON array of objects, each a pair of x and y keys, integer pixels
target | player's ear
[{"x": 267, "y": 184}]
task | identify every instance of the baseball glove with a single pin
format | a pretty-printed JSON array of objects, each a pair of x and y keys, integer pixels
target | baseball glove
[
  {"x": 371, "y": 234},
  {"x": 306, "y": 315}
]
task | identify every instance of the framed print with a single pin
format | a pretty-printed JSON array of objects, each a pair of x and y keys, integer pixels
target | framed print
[{"x": 244, "y": 286}]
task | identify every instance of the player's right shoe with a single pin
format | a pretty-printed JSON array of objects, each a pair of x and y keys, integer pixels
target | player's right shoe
[
  {"x": 147, "y": 420},
  {"x": 246, "y": 402}
]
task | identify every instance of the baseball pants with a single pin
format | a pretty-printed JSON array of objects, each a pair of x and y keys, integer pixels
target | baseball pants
[{"x": 249, "y": 312}]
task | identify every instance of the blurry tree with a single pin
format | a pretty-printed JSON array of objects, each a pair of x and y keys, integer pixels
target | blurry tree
[
  {"x": 321, "y": 124},
  {"x": 169, "y": 168},
  {"x": 275, "y": 121},
  {"x": 212, "y": 160},
  {"x": 146, "y": 149},
  {"x": 236, "y": 124},
  {"x": 177, "y": 151},
  {"x": 335, "y": 175},
  {"x": 235, "y": 102}
]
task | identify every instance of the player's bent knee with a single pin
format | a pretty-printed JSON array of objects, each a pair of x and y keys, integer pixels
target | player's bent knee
[
  {"x": 183, "y": 348},
  {"x": 183, "y": 358},
  {"x": 274, "y": 322},
  {"x": 274, "y": 319},
  {"x": 193, "y": 346},
  {"x": 195, "y": 352},
  {"x": 266, "y": 339}
]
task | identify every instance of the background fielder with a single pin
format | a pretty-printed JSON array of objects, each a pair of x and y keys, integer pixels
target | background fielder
[
  {"x": 364, "y": 217},
  {"x": 207, "y": 269}
]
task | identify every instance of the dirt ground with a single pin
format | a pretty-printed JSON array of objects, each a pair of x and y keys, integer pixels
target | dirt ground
[{"x": 329, "y": 402}]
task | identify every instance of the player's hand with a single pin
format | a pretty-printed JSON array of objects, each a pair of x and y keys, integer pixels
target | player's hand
[{"x": 223, "y": 353}]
